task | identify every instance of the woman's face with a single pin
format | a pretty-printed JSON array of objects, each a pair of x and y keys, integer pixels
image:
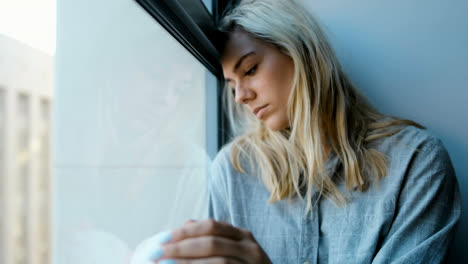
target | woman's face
[{"x": 261, "y": 77}]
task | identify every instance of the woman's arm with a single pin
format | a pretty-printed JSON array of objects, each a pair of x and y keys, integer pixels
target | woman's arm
[
  {"x": 214, "y": 240},
  {"x": 427, "y": 212}
]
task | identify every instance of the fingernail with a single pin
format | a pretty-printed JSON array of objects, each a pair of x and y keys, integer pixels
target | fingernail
[
  {"x": 190, "y": 221},
  {"x": 167, "y": 261},
  {"x": 164, "y": 237},
  {"x": 157, "y": 254}
]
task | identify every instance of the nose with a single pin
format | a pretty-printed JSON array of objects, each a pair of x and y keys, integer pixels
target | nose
[{"x": 243, "y": 94}]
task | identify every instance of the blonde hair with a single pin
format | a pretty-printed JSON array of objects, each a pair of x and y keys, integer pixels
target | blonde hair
[{"x": 324, "y": 108}]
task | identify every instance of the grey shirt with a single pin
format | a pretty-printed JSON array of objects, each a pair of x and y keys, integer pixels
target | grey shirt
[{"x": 409, "y": 216}]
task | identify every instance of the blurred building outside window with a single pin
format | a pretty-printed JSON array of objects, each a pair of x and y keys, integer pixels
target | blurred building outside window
[
  {"x": 26, "y": 85},
  {"x": 27, "y": 39}
]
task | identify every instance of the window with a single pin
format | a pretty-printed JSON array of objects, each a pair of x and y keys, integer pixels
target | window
[
  {"x": 209, "y": 5},
  {"x": 135, "y": 130}
]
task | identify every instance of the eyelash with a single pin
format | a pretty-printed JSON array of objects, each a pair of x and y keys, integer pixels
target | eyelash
[{"x": 251, "y": 71}]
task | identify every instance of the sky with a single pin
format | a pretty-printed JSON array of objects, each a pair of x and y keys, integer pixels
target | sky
[{"x": 31, "y": 22}]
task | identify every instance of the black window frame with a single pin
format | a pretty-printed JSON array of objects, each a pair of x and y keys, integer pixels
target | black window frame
[{"x": 192, "y": 25}]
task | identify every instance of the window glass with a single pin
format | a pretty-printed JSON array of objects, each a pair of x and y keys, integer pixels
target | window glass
[
  {"x": 209, "y": 5},
  {"x": 131, "y": 131}
]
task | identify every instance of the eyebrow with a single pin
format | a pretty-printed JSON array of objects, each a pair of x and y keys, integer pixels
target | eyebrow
[{"x": 239, "y": 62}]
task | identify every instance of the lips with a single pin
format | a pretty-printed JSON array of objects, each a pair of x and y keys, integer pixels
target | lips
[{"x": 259, "y": 111}]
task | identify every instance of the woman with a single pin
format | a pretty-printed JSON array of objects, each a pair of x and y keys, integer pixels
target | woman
[{"x": 314, "y": 173}]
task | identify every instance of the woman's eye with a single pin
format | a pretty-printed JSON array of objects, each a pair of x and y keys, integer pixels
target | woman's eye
[{"x": 251, "y": 71}]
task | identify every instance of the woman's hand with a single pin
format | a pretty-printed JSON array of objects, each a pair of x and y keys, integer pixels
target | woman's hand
[{"x": 211, "y": 242}]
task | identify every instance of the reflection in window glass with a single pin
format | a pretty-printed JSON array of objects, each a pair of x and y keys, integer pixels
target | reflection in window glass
[{"x": 130, "y": 134}]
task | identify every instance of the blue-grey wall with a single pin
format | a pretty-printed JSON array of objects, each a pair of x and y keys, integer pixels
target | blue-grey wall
[{"x": 410, "y": 57}]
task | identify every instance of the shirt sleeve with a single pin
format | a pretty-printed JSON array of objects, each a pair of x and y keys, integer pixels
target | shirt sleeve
[
  {"x": 217, "y": 189},
  {"x": 428, "y": 210}
]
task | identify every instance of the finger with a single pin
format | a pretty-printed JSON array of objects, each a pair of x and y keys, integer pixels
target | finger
[
  {"x": 190, "y": 222},
  {"x": 214, "y": 260},
  {"x": 209, "y": 228},
  {"x": 203, "y": 247}
]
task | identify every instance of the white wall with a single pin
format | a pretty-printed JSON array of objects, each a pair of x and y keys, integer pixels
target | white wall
[
  {"x": 130, "y": 131},
  {"x": 410, "y": 58}
]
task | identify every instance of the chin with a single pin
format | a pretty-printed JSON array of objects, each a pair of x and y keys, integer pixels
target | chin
[{"x": 276, "y": 126}]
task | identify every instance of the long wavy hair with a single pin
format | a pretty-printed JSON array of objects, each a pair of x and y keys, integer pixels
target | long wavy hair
[{"x": 324, "y": 108}]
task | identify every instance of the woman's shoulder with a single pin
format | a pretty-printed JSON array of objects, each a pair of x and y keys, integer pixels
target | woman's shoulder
[
  {"x": 415, "y": 153},
  {"x": 408, "y": 140},
  {"x": 221, "y": 166},
  {"x": 418, "y": 163},
  {"x": 225, "y": 177},
  {"x": 222, "y": 159},
  {"x": 424, "y": 145}
]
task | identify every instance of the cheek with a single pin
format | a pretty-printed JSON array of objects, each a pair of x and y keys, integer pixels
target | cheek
[
  {"x": 262, "y": 85},
  {"x": 274, "y": 81},
  {"x": 281, "y": 79},
  {"x": 281, "y": 89}
]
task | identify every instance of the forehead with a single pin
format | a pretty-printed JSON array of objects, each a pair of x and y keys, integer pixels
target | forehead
[{"x": 239, "y": 44}]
